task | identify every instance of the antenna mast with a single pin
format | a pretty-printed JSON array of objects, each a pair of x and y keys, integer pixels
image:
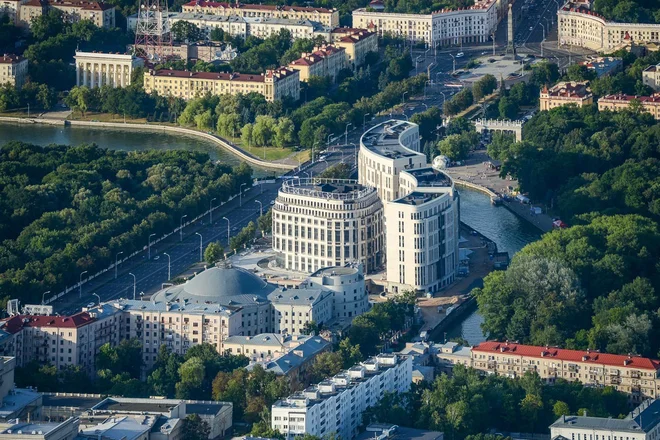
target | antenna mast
[{"x": 153, "y": 32}]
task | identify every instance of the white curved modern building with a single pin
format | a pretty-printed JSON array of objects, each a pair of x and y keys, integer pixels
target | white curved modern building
[
  {"x": 422, "y": 232},
  {"x": 320, "y": 223},
  {"x": 347, "y": 286},
  {"x": 385, "y": 150}
]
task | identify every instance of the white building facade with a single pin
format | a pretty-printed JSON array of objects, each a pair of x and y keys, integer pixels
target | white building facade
[
  {"x": 350, "y": 296},
  {"x": 319, "y": 223},
  {"x": 336, "y": 404},
  {"x": 96, "y": 69}
]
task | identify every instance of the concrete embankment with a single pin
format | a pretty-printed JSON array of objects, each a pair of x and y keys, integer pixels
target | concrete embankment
[{"x": 162, "y": 128}]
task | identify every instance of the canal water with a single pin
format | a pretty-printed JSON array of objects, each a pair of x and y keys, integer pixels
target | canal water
[
  {"x": 510, "y": 232},
  {"x": 117, "y": 139}
]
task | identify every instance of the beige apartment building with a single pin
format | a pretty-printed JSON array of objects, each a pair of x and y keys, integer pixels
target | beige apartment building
[
  {"x": 651, "y": 77},
  {"x": 356, "y": 42},
  {"x": 13, "y": 70},
  {"x": 12, "y": 8},
  {"x": 580, "y": 26},
  {"x": 564, "y": 93},
  {"x": 273, "y": 85},
  {"x": 326, "y": 60},
  {"x": 327, "y": 17},
  {"x": 633, "y": 375},
  {"x": 61, "y": 341},
  {"x": 100, "y": 13},
  {"x": 650, "y": 104},
  {"x": 96, "y": 69}
]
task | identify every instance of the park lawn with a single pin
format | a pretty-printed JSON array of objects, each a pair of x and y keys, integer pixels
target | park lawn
[{"x": 272, "y": 153}]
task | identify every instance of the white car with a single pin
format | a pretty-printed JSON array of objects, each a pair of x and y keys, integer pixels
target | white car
[
  {"x": 460, "y": 54},
  {"x": 90, "y": 305},
  {"x": 531, "y": 28},
  {"x": 272, "y": 202}
]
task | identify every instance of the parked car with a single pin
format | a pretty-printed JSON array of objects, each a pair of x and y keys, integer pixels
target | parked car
[{"x": 460, "y": 54}]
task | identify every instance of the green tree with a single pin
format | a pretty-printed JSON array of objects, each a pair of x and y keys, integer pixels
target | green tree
[
  {"x": 561, "y": 409},
  {"x": 191, "y": 374},
  {"x": 186, "y": 31},
  {"x": 194, "y": 428},
  {"x": 214, "y": 253},
  {"x": 217, "y": 34},
  {"x": 79, "y": 99}
]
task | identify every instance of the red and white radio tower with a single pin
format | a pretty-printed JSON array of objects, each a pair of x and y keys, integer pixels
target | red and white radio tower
[{"x": 153, "y": 37}]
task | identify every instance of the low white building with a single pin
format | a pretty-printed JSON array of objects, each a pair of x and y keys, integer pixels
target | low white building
[
  {"x": 349, "y": 294},
  {"x": 643, "y": 423},
  {"x": 96, "y": 69},
  {"x": 336, "y": 404},
  {"x": 293, "y": 309},
  {"x": 66, "y": 430}
]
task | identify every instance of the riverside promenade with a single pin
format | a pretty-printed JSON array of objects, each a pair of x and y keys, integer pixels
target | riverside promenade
[{"x": 475, "y": 174}]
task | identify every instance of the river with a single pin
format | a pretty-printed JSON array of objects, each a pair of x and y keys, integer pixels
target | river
[
  {"x": 117, "y": 139},
  {"x": 510, "y": 232}
]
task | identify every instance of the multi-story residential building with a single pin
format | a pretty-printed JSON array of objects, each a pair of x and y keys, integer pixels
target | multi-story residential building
[
  {"x": 231, "y": 24},
  {"x": 580, "y": 26},
  {"x": 263, "y": 347},
  {"x": 603, "y": 66},
  {"x": 62, "y": 341},
  {"x": 651, "y": 77},
  {"x": 385, "y": 150},
  {"x": 449, "y": 354},
  {"x": 294, "y": 309},
  {"x": 643, "y": 423},
  {"x": 100, "y": 13},
  {"x": 264, "y": 27},
  {"x": 326, "y": 60},
  {"x": 475, "y": 24},
  {"x": 350, "y": 296},
  {"x": 633, "y": 375},
  {"x": 564, "y": 93},
  {"x": 650, "y": 104},
  {"x": 12, "y": 8},
  {"x": 319, "y": 223},
  {"x": 274, "y": 85},
  {"x": 422, "y": 232},
  {"x": 13, "y": 70},
  {"x": 357, "y": 43},
  {"x": 96, "y": 69},
  {"x": 336, "y": 404},
  {"x": 178, "y": 325},
  {"x": 327, "y": 17}
]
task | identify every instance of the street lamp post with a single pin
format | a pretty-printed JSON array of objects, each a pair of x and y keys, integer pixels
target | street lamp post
[
  {"x": 134, "y": 282},
  {"x": 493, "y": 35},
  {"x": 149, "y": 245},
  {"x": 169, "y": 266},
  {"x": 97, "y": 297},
  {"x": 228, "y": 229},
  {"x": 403, "y": 97},
  {"x": 453, "y": 70},
  {"x": 211, "y": 210},
  {"x": 181, "y": 227},
  {"x": 346, "y": 133},
  {"x": 43, "y": 297},
  {"x": 443, "y": 98},
  {"x": 261, "y": 208},
  {"x": 240, "y": 195},
  {"x": 201, "y": 245},
  {"x": 80, "y": 284},
  {"x": 116, "y": 258},
  {"x": 364, "y": 121}
]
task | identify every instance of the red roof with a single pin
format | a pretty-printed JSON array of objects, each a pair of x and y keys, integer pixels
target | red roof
[
  {"x": 18, "y": 322},
  {"x": 592, "y": 357},
  {"x": 621, "y": 97},
  {"x": 10, "y": 59},
  {"x": 82, "y": 4},
  {"x": 210, "y": 75}
]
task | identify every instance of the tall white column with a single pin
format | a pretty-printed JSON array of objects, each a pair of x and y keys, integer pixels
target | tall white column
[
  {"x": 106, "y": 74},
  {"x": 93, "y": 69},
  {"x": 85, "y": 74},
  {"x": 115, "y": 76},
  {"x": 77, "y": 74},
  {"x": 123, "y": 76}
]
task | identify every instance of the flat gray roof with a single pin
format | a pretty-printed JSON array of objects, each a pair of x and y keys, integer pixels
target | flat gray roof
[
  {"x": 416, "y": 198},
  {"x": 83, "y": 402},
  {"x": 429, "y": 177},
  {"x": 383, "y": 139},
  {"x": 207, "y": 408}
]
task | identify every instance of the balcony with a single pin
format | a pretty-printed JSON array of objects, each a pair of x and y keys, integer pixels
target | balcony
[
  {"x": 635, "y": 374},
  {"x": 615, "y": 380},
  {"x": 492, "y": 364}
]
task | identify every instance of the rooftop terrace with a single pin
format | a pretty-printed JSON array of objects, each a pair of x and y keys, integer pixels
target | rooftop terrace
[
  {"x": 384, "y": 139},
  {"x": 416, "y": 198},
  {"x": 430, "y": 177}
]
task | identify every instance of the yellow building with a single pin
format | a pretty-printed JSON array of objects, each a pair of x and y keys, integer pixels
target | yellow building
[
  {"x": 326, "y": 60},
  {"x": 580, "y": 26},
  {"x": 13, "y": 70},
  {"x": 12, "y": 8},
  {"x": 274, "y": 85},
  {"x": 327, "y": 17},
  {"x": 650, "y": 104},
  {"x": 565, "y": 93},
  {"x": 357, "y": 43},
  {"x": 633, "y": 375},
  {"x": 100, "y": 13}
]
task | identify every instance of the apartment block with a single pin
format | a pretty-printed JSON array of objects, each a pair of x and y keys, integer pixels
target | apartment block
[
  {"x": 100, "y": 13},
  {"x": 651, "y": 77},
  {"x": 580, "y": 26},
  {"x": 650, "y": 104},
  {"x": 327, "y": 17},
  {"x": 97, "y": 69},
  {"x": 294, "y": 309},
  {"x": 349, "y": 294},
  {"x": 231, "y": 24},
  {"x": 326, "y": 60},
  {"x": 633, "y": 375},
  {"x": 273, "y": 85},
  {"x": 319, "y": 223},
  {"x": 13, "y": 70},
  {"x": 474, "y": 24},
  {"x": 564, "y": 93},
  {"x": 336, "y": 404},
  {"x": 356, "y": 42},
  {"x": 12, "y": 8}
]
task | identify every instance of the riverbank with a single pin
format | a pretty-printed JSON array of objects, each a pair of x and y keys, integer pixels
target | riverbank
[{"x": 224, "y": 144}]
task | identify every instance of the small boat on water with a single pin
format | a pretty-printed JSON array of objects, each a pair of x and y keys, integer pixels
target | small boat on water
[{"x": 496, "y": 200}]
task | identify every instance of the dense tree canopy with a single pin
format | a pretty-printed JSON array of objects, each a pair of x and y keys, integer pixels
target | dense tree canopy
[{"x": 65, "y": 210}]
